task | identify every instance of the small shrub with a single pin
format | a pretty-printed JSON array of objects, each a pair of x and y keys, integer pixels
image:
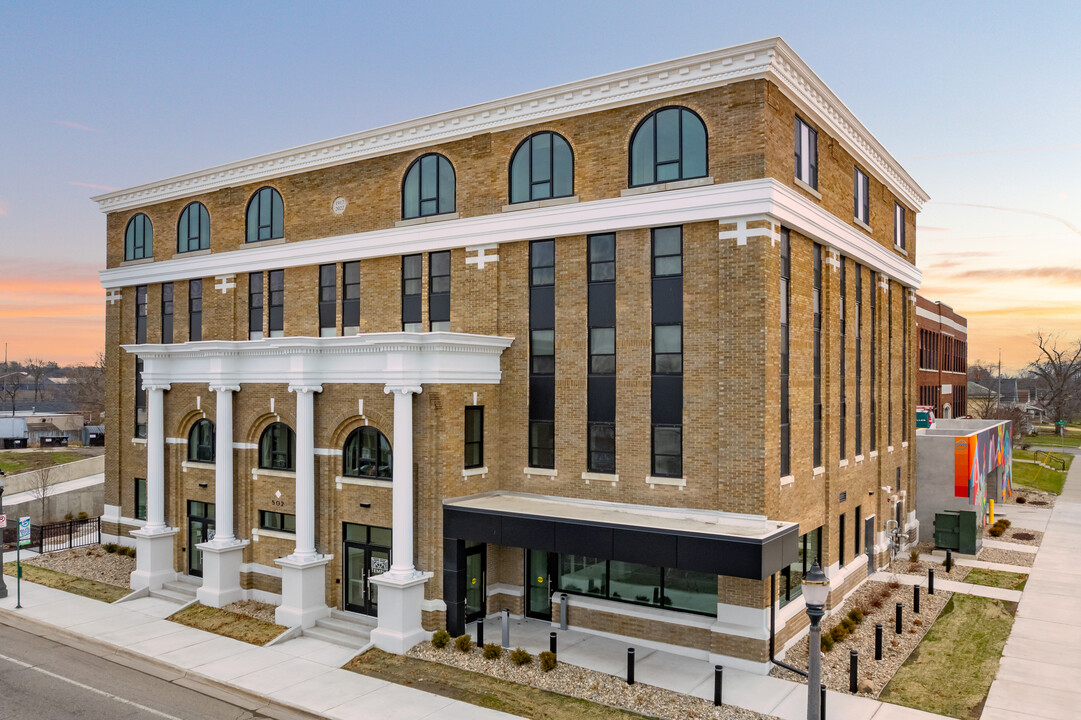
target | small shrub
[
  {"x": 1004, "y": 522},
  {"x": 83, "y": 516},
  {"x": 69, "y": 516},
  {"x": 893, "y": 643},
  {"x": 548, "y": 661},
  {"x": 464, "y": 643},
  {"x": 838, "y": 633},
  {"x": 876, "y": 602},
  {"x": 110, "y": 548},
  {"x": 492, "y": 651},
  {"x": 917, "y": 622},
  {"x": 856, "y": 615},
  {"x": 996, "y": 531},
  {"x": 893, "y": 584},
  {"x": 912, "y": 631},
  {"x": 914, "y": 556},
  {"x": 129, "y": 551},
  {"x": 848, "y": 625},
  {"x": 827, "y": 643},
  {"x": 521, "y": 657},
  {"x": 1021, "y": 500},
  {"x": 440, "y": 638}
]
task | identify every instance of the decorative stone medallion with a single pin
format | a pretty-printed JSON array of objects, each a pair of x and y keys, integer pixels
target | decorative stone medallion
[{"x": 339, "y": 205}]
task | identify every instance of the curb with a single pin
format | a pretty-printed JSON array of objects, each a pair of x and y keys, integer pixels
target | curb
[{"x": 216, "y": 689}]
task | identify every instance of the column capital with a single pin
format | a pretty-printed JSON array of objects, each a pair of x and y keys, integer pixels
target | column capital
[
  {"x": 224, "y": 388},
  {"x": 156, "y": 386},
  {"x": 403, "y": 389},
  {"x": 305, "y": 388}
]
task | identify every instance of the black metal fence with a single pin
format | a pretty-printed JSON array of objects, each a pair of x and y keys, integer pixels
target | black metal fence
[{"x": 64, "y": 535}]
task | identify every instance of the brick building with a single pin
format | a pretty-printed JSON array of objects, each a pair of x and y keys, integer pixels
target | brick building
[
  {"x": 639, "y": 339},
  {"x": 943, "y": 358}
]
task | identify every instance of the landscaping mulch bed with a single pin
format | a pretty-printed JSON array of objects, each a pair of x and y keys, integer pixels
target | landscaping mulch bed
[
  {"x": 253, "y": 609},
  {"x": 1027, "y": 537},
  {"x": 68, "y": 583},
  {"x": 585, "y": 684},
  {"x": 1007, "y": 557},
  {"x": 873, "y": 675},
  {"x": 91, "y": 563},
  {"x": 920, "y": 567},
  {"x": 228, "y": 624},
  {"x": 1032, "y": 496}
]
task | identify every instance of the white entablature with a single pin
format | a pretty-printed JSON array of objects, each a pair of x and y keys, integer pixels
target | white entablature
[{"x": 398, "y": 358}]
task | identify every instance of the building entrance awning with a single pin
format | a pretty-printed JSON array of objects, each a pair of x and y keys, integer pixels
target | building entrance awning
[{"x": 732, "y": 544}]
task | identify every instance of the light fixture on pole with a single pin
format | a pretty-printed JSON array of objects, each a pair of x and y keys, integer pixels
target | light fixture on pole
[
  {"x": 816, "y": 590},
  {"x": 3, "y": 587}
]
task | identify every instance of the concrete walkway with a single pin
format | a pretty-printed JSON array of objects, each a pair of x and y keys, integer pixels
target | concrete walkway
[
  {"x": 951, "y": 586},
  {"x": 1040, "y": 674},
  {"x": 57, "y": 489},
  {"x": 968, "y": 562}
]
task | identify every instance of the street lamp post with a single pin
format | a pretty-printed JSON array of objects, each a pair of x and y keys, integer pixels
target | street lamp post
[
  {"x": 3, "y": 587},
  {"x": 816, "y": 590}
]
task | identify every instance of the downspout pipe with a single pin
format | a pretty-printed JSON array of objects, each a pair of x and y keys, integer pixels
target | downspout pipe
[{"x": 773, "y": 629}]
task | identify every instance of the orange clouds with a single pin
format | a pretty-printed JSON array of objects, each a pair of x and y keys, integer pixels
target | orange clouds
[{"x": 52, "y": 310}]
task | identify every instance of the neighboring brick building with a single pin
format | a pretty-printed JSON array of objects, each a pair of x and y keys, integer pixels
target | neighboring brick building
[
  {"x": 943, "y": 358},
  {"x": 586, "y": 340}
]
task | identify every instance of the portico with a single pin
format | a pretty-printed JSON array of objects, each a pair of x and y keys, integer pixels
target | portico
[{"x": 402, "y": 363}]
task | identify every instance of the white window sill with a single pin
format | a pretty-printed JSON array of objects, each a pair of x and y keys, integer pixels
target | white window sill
[
  {"x": 863, "y": 225},
  {"x": 901, "y": 250},
  {"x": 661, "y": 187},
  {"x": 534, "y": 204},
  {"x": 195, "y": 465},
  {"x": 654, "y": 481},
  {"x": 191, "y": 253},
  {"x": 804, "y": 186},
  {"x": 139, "y": 261},
  {"x": 544, "y": 472},
  {"x": 859, "y": 458},
  {"x": 904, "y": 444},
  {"x": 427, "y": 219},
  {"x": 263, "y": 243},
  {"x": 257, "y": 533},
  {"x": 138, "y": 441},
  {"x": 366, "y": 482},
  {"x": 889, "y": 448},
  {"x": 256, "y": 473},
  {"x": 843, "y": 463},
  {"x": 788, "y": 480},
  {"x": 818, "y": 471},
  {"x": 874, "y": 454},
  {"x": 470, "y": 472},
  {"x": 600, "y": 477}
]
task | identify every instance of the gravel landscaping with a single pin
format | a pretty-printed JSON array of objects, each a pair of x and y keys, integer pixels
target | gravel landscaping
[
  {"x": 904, "y": 566},
  {"x": 1007, "y": 557},
  {"x": 586, "y": 684},
  {"x": 873, "y": 675},
  {"x": 92, "y": 563}
]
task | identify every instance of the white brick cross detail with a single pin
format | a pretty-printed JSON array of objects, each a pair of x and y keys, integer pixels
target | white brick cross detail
[
  {"x": 113, "y": 296},
  {"x": 480, "y": 260},
  {"x": 225, "y": 283}
]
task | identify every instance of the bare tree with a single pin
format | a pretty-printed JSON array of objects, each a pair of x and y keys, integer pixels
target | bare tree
[
  {"x": 981, "y": 372},
  {"x": 1059, "y": 373},
  {"x": 40, "y": 492},
  {"x": 89, "y": 383},
  {"x": 9, "y": 388},
  {"x": 983, "y": 405},
  {"x": 36, "y": 369}
]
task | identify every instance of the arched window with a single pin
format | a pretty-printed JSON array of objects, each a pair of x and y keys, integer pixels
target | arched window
[
  {"x": 367, "y": 454},
  {"x": 542, "y": 167},
  {"x": 193, "y": 230},
  {"x": 428, "y": 188},
  {"x": 201, "y": 442},
  {"x": 139, "y": 238},
  {"x": 278, "y": 448},
  {"x": 266, "y": 215},
  {"x": 670, "y": 144}
]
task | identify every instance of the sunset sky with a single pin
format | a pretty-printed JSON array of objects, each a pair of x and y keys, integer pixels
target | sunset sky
[{"x": 979, "y": 102}]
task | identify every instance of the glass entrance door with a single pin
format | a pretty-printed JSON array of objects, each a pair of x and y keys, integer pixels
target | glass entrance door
[
  {"x": 476, "y": 593},
  {"x": 367, "y": 554},
  {"x": 200, "y": 530},
  {"x": 538, "y": 585}
]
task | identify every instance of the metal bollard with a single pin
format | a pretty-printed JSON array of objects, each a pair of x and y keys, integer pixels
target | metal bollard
[
  {"x": 949, "y": 560},
  {"x": 563, "y": 611},
  {"x": 506, "y": 627},
  {"x": 853, "y": 664},
  {"x": 897, "y": 620},
  {"x": 552, "y": 642},
  {"x": 630, "y": 666},
  {"x": 718, "y": 681},
  {"x": 480, "y": 632},
  {"x": 822, "y": 711},
  {"x": 916, "y": 599},
  {"x": 878, "y": 641},
  {"x": 930, "y": 581}
]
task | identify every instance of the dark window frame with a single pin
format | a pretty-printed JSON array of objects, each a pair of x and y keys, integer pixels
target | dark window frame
[
  {"x": 351, "y": 297},
  {"x": 439, "y": 190},
  {"x": 168, "y": 293},
  {"x": 140, "y": 313},
  {"x": 274, "y": 226},
  {"x": 816, "y": 410},
  {"x": 195, "y": 309},
  {"x": 606, "y": 593},
  {"x": 651, "y": 119},
  {"x": 327, "y": 299},
  {"x": 859, "y": 359},
  {"x": 861, "y": 211},
  {"x": 140, "y": 499},
  {"x": 381, "y": 467},
  {"x": 476, "y": 443},
  {"x": 436, "y": 294},
  {"x": 898, "y": 225},
  {"x": 812, "y": 141},
  {"x": 204, "y": 447},
  {"x": 269, "y": 435},
  {"x": 526, "y": 146},
  {"x": 256, "y": 303},
  {"x": 139, "y": 238},
  {"x": 276, "y": 521},
  {"x": 843, "y": 314},
  {"x": 407, "y": 260},
  {"x": 275, "y": 302},
  {"x": 785, "y": 399},
  {"x": 201, "y": 238},
  {"x": 140, "y": 400}
]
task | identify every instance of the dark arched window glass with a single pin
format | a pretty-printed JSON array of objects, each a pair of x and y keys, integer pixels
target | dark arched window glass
[
  {"x": 139, "y": 238},
  {"x": 201, "y": 442},
  {"x": 278, "y": 448},
  {"x": 542, "y": 167},
  {"x": 367, "y": 454},
  {"x": 670, "y": 144},
  {"x": 428, "y": 188},
  {"x": 193, "y": 230},
  {"x": 266, "y": 215}
]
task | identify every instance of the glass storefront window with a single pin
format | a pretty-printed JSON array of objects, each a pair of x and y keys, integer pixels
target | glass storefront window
[
  {"x": 585, "y": 575},
  {"x": 634, "y": 582},
  {"x": 629, "y": 582},
  {"x": 689, "y": 590},
  {"x": 810, "y": 549}
]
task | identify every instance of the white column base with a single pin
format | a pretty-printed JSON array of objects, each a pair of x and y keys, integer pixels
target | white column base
[
  {"x": 400, "y": 601},
  {"x": 154, "y": 558},
  {"x": 303, "y": 590},
  {"x": 221, "y": 573}
]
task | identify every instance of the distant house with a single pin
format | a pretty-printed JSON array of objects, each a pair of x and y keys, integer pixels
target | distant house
[
  {"x": 13, "y": 433},
  {"x": 54, "y": 430}
]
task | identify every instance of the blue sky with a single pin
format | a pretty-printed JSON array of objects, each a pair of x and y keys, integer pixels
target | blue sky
[{"x": 979, "y": 101}]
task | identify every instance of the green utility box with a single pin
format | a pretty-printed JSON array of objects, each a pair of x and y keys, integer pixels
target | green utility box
[{"x": 958, "y": 530}]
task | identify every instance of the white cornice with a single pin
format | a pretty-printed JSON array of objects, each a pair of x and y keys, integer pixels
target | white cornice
[
  {"x": 712, "y": 202},
  {"x": 771, "y": 58},
  {"x": 380, "y": 358}
]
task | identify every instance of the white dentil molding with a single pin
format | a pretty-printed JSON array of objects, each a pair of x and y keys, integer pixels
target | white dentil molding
[
  {"x": 725, "y": 202},
  {"x": 771, "y": 58}
]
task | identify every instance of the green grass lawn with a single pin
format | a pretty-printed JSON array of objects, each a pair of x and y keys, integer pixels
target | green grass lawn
[
  {"x": 69, "y": 583},
  {"x": 1051, "y": 438},
  {"x": 1037, "y": 477},
  {"x": 997, "y": 578},
  {"x": 952, "y": 669},
  {"x": 17, "y": 462},
  {"x": 228, "y": 624}
]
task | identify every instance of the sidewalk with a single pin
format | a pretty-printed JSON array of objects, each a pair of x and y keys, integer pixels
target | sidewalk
[
  {"x": 951, "y": 586},
  {"x": 1040, "y": 674}
]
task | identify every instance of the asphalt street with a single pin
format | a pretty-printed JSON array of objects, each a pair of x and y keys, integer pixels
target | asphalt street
[{"x": 43, "y": 679}]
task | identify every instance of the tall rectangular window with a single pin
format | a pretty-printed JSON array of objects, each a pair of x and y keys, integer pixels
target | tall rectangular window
[
  {"x": 167, "y": 313},
  {"x": 841, "y": 540},
  {"x": 904, "y": 367},
  {"x": 255, "y": 306},
  {"x": 140, "y": 400},
  {"x": 861, "y": 203},
  {"x": 786, "y": 269},
  {"x": 140, "y": 314},
  {"x": 666, "y": 402},
  {"x": 874, "y": 363},
  {"x": 412, "y": 281},
  {"x": 474, "y": 436},
  {"x": 542, "y": 356},
  {"x": 809, "y": 549},
  {"x": 806, "y": 153},
  {"x": 195, "y": 310},
  {"x": 439, "y": 291},
  {"x": 889, "y": 365},
  {"x": 817, "y": 356},
  {"x": 859, "y": 359},
  {"x": 899, "y": 225},
  {"x": 276, "y": 314},
  {"x": 351, "y": 298},
  {"x": 328, "y": 300},
  {"x": 601, "y": 379},
  {"x": 140, "y": 498},
  {"x": 844, "y": 371},
  {"x": 857, "y": 528}
]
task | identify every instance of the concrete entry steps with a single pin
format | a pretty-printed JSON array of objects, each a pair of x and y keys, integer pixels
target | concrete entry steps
[
  {"x": 341, "y": 628},
  {"x": 182, "y": 590}
]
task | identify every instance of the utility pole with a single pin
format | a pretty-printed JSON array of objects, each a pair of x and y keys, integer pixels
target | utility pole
[{"x": 999, "y": 376}]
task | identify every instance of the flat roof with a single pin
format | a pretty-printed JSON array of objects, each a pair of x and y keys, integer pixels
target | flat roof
[{"x": 959, "y": 428}]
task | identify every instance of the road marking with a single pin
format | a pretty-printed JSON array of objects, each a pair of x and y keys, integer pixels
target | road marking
[{"x": 78, "y": 684}]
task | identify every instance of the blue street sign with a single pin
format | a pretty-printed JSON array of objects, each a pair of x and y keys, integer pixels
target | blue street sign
[{"x": 24, "y": 531}]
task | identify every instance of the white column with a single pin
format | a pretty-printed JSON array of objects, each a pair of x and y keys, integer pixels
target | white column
[
  {"x": 402, "y": 499},
  {"x": 305, "y": 464},
  {"x": 224, "y": 532},
  {"x": 155, "y": 457}
]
